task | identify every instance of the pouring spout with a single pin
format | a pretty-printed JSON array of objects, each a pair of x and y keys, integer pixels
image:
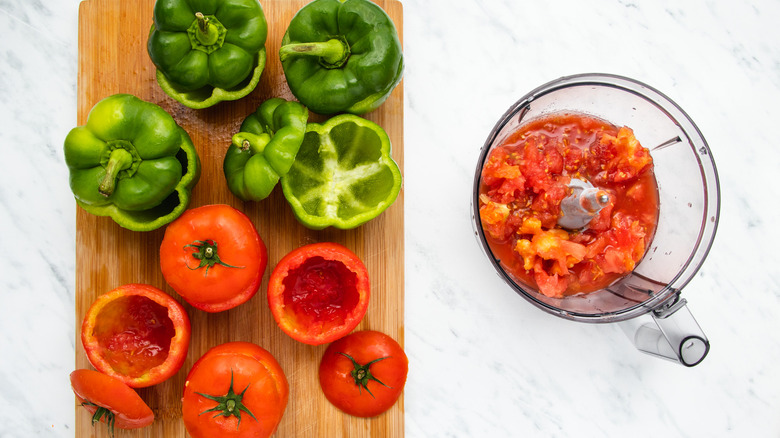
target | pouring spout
[{"x": 670, "y": 332}]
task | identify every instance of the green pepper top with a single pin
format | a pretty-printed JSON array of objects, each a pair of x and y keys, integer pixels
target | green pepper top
[
  {"x": 133, "y": 162},
  {"x": 207, "y": 51},
  {"x": 343, "y": 175},
  {"x": 264, "y": 148},
  {"x": 341, "y": 56}
]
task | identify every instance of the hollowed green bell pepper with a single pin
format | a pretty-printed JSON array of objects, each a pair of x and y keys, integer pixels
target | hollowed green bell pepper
[
  {"x": 208, "y": 51},
  {"x": 264, "y": 148},
  {"x": 341, "y": 56},
  {"x": 131, "y": 161},
  {"x": 344, "y": 174}
]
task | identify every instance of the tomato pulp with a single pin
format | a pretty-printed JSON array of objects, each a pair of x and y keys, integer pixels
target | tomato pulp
[
  {"x": 525, "y": 179},
  {"x": 319, "y": 292},
  {"x": 136, "y": 333}
]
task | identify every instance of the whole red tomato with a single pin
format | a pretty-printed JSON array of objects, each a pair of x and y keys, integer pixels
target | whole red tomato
[
  {"x": 236, "y": 389},
  {"x": 137, "y": 334},
  {"x": 319, "y": 292},
  {"x": 109, "y": 400},
  {"x": 213, "y": 257},
  {"x": 363, "y": 373}
]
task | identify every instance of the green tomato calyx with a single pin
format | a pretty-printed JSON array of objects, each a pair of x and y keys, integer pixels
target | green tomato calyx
[
  {"x": 206, "y": 253},
  {"x": 101, "y": 412},
  {"x": 362, "y": 373},
  {"x": 229, "y": 404}
]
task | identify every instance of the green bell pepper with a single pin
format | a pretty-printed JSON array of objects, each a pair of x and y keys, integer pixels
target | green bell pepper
[
  {"x": 207, "y": 51},
  {"x": 264, "y": 148},
  {"x": 341, "y": 56},
  {"x": 131, "y": 161},
  {"x": 343, "y": 175}
]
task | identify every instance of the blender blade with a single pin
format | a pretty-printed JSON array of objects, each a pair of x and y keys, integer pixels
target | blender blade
[{"x": 583, "y": 204}]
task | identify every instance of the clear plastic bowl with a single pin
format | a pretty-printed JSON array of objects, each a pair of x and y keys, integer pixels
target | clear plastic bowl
[{"x": 687, "y": 182}]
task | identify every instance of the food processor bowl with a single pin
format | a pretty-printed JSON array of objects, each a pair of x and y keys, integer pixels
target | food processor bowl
[{"x": 689, "y": 204}]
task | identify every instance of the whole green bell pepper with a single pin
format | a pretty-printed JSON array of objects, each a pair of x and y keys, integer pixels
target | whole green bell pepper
[
  {"x": 208, "y": 51},
  {"x": 264, "y": 148},
  {"x": 131, "y": 161},
  {"x": 344, "y": 174},
  {"x": 341, "y": 56}
]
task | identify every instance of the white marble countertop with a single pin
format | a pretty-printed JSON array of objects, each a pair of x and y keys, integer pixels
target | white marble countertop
[{"x": 484, "y": 362}]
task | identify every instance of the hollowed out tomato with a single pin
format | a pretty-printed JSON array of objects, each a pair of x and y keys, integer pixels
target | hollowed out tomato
[
  {"x": 137, "y": 334},
  {"x": 364, "y": 373},
  {"x": 319, "y": 292},
  {"x": 213, "y": 257},
  {"x": 236, "y": 389},
  {"x": 109, "y": 400}
]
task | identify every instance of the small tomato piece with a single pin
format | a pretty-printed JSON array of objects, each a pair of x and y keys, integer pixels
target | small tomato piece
[
  {"x": 109, "y": 400},
  {"x": 213, "y": 257},
  {"x": 236, "y": 389},
  {"x": 137, "y": 334},
  {"x": 319, "y": 292},
  {"x": 363, "y": 373}
]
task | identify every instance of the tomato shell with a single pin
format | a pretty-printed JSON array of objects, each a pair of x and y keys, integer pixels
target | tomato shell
[
  {"x": 130, "y": 411},
  {"x": 238, "y": 244},
  {"x": 319, "y": 292},
  {"x": 252, "y": 369},
  {"x": 137, "y": 334},
  {"x": 339, "y": 385}
]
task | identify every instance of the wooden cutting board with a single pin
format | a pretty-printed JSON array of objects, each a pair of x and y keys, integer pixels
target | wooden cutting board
[{"x": 113, "y": 59}]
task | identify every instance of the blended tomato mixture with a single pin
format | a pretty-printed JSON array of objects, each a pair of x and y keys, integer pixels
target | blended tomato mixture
[{"x": 524, "y": 181}]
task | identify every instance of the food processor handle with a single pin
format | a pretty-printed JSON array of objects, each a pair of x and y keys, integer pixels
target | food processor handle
[{"x": 669, "y": 332}]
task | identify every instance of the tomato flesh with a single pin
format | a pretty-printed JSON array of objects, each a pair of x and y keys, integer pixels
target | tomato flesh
[
  {"x": 526, "y": 178},
  {"x": 135, "y": 334},
  {"x": 321, "y": 291}
]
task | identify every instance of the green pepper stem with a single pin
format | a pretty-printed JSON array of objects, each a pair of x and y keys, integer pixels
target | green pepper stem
[
  {"x": 332, "y": 53},
  {"x": 118, "y": 160},
  {"x": 208, "y": 34}
]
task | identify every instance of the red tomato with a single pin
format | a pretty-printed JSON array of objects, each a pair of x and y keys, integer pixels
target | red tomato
[
  {"x": 213, "y": 257},
  {"x": 236, "y": 389},
  {"x": 319, "y": 292},
  {"x": 363, "y": 373},
  {"x": 136, "y": 333},
  {"x": 109, "y": 400}
]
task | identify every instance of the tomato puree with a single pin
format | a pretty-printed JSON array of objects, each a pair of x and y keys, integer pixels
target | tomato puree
[{"x": 525, "y": 179}]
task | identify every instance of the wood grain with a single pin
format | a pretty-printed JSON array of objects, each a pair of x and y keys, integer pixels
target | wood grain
[{"x": 113, "y": 59}]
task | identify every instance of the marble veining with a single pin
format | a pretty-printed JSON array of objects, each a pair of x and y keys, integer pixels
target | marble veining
[{"x": 484, "y": 362}]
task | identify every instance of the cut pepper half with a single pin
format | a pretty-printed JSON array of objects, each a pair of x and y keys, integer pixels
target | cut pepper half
[{"x": 344, "y": 174}]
